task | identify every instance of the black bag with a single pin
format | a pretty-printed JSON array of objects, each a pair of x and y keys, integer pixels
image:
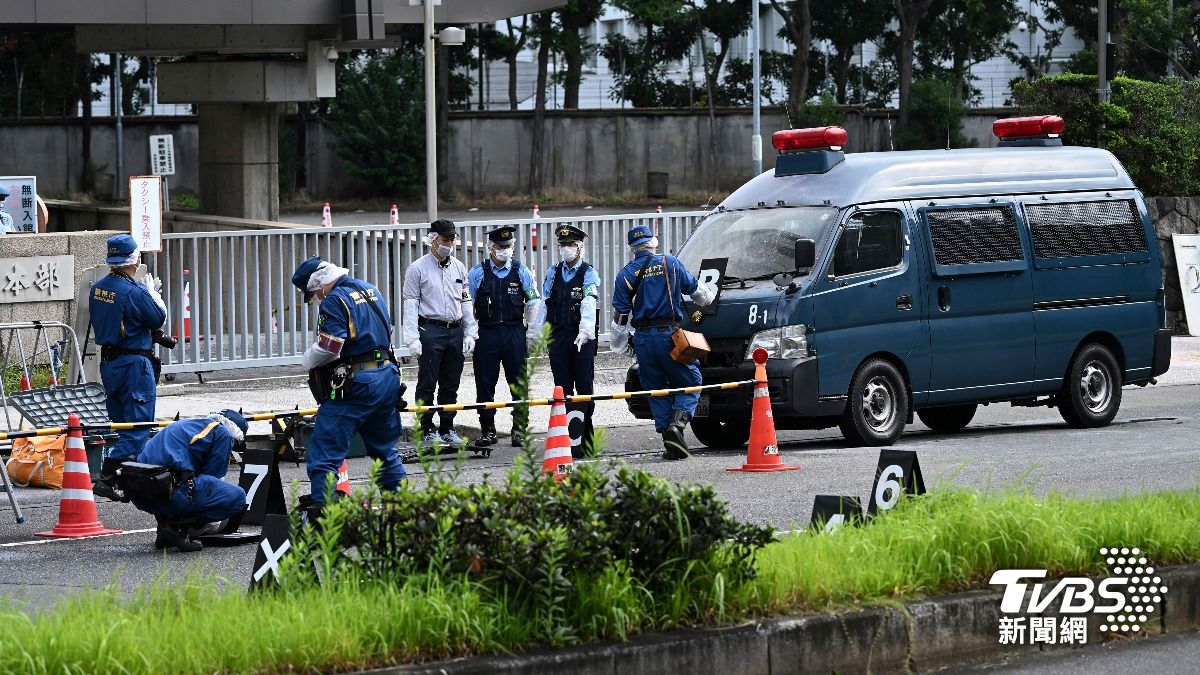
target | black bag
[{"x": 148, "y": 481}]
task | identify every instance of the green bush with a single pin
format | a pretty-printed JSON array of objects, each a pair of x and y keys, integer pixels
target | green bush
[
  {"x": 1152, "y": 127},
  {"x": 935, "y": 117}
]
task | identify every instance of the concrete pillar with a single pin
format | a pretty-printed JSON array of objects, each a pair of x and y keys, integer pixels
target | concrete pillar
[{"x": 239, "y": 159}]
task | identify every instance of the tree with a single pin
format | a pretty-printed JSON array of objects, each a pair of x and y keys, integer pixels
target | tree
[
  {"x": 668, "y": 34},
  {"x": 846, "y": 25},
  {"x": 910, "y": 14},
  {"x": 508, "y": 46},
  {"x": 38, "y": 72},
  {"x": 543, "y": 35},
  {"x": 965, "y": 33},
  {"x": 574, "y": 18},
  {"x": 797, "y": 26}
]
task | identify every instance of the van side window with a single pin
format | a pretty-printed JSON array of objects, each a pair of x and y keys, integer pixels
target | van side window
[
  {"x": 974, "y": 235},
  {"x": 869, "y": 241},
  {"x": 1076, "y": 229}
]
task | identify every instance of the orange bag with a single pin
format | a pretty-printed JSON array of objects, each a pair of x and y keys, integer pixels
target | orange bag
[{"x": 38, "y": 461}]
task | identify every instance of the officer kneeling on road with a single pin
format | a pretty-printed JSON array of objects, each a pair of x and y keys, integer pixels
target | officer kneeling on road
[
  {"x": 353, "y": 375},
  {"x": 648, "y": 294},
  {"x": 189, "y": 498},
  {"x": 506, "y": 309}
]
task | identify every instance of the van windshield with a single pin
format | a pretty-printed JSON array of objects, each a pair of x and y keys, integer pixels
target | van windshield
[{"x": 759, "y": 243}]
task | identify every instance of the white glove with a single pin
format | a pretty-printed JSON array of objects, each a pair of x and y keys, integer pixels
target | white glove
[
  {"x": 153, "y": 286},
  {"x": 582, "y": 338},
  {"x": 414, "y": 347},
  {"x": 618, "y": 337},
  {"x": 468, "y": 344},
  {"x": 703, "y": 295}
]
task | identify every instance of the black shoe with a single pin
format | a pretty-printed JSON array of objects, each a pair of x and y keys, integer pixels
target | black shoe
[
  {"x": 486, "y": 437},
  {"x": 516, "y": 440},
  {"x": 673, "y": 441},
  {"x": 173, "y": 535},
  {"x": 105, "y": 485}
]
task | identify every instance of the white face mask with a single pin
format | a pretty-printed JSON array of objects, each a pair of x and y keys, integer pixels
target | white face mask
[
  {"x": 502, "y": 254},
  {"x": 443, "y": 250},
  {"x": 568, "y": 253}
]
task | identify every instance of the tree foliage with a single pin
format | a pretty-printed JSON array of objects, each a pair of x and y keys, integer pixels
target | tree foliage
[{"x": 846, "y": 25}]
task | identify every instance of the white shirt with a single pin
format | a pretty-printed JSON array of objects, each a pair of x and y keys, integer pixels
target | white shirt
[{"x": 439, "y": 289}]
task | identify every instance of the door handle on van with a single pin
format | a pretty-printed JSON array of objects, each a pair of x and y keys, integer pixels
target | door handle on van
[
  {"x": 904, "y": 302},
  {"x": 944, "y": 298}
]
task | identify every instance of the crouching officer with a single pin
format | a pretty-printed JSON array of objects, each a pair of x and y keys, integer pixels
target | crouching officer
[
  {"x": 196, "y": 452},
  {"x": 506, "y": 308},
  {"x": 648, "y": 294},
  {"x": 357, "y": 382},
  {"x": 571, "y": 289},
  {"x": 125, "y": 315}
]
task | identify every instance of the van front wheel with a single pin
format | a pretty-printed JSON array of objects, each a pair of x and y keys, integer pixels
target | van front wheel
[
  {"x": 715, "y": 433},
  {"x": 948, "y": 419},
  {"x": 1091, "y": 393},
  {"x": 876, "y": 406}
]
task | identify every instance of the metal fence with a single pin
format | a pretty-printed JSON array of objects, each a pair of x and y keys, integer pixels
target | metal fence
[{"x": 242, "y": 311}]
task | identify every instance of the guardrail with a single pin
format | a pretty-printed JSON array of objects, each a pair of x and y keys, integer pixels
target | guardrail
[{"x": 242, "y": 310}]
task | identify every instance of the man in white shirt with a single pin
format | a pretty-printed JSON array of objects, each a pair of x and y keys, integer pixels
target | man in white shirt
[{"x": 439, "y": 327}]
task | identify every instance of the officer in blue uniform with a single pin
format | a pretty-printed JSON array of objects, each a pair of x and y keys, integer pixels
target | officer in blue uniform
[
  {"x": 124, "y": 315},
  {"x": 197, "y": 452},
  {"x": 571, "y": 289},
  {"x": 353, "y": 350},
  {"x": 653, "y": 306},
  {"x": 506, "y": 306}
]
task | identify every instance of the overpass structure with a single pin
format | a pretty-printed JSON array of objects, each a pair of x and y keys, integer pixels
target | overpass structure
[{"x": 241, "y": 59}]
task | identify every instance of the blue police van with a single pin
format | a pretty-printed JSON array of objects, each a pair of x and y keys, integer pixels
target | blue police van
[{"x": 889, "y": 284}]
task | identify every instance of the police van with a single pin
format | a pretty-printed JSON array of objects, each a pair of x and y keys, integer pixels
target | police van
[{"x": 888, "y": 284}]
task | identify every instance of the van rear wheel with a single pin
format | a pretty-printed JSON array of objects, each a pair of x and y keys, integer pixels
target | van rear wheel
[
  {"x": 949, "y": 418},
  {"x": 1091, "y": 393},
  {"x": 714, "y": 433},
  {"x": 876, "y": 405}
]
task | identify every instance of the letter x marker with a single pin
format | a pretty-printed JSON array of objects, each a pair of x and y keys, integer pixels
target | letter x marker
[{"x": 273, "y": 557}]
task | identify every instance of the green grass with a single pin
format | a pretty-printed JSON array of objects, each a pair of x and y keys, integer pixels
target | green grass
[
  {"x": 950, "y": 540},
  {"x": 39, "y": 376}
]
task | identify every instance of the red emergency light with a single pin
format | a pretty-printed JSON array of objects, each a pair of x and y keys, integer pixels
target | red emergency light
[
  {"x": 816, "y": 138},
  {"x": 1041, "y": 126}
]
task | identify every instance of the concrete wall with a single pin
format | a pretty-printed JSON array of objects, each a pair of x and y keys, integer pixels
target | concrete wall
[{"x": 88, "y": 249}]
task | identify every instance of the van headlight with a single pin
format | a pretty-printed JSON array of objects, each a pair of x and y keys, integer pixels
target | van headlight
[{"x": 787, "y": 342}]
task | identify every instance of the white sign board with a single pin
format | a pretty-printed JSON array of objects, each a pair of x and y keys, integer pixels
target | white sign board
[
  {"x": 21, "y": 204},
  {"x": 1187, "y": 259},
  {"x": 162, "y": 155},
  {"x": 145, "y": 211},
  {"x": 37, "y": 278}
]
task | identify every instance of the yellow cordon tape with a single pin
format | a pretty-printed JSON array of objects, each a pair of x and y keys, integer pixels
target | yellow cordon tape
[{"x": 417, "y": 409}]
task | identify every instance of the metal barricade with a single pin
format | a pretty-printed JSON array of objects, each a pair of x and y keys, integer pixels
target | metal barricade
[{"x": 231, "y": 303}]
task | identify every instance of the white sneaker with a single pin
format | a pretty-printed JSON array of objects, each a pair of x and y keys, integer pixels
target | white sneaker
[
  {"x": 451, "y": 439},
  {"x": 427, "y": 439}
]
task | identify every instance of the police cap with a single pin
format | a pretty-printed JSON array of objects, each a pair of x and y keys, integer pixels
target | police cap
[
  {"x": 638, "y": 235},
  {"x": 303, "y": 272},
  {"x": 120, "y": 247},
  {"x": 235, "y": 417},
  {"x": 3, "y": 192},
  {"x": 569, "y": 234},
  {"x": 504, "y": 236},
  {"x": 444, "y": 227}
]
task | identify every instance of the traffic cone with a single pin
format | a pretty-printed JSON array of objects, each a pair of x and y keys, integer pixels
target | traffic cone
[
  {"x": 394, "y": 216},
  {"x": 533, "y": 228},
  {"x": 25, "y": 382},
  {"x": 187, "y": 308},
  {"x": 763, "y": 453},
  {"x": 657, "y": 222},
  {"x": 557, "y": 458},
  {"x": 343, "y": 484},
  {"x": 326, "y": 218},
  {"x": 76, "y": 507}
]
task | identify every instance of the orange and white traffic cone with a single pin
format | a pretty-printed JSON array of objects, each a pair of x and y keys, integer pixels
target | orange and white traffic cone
[
  {"x": 343, "y": 480},
  {"x": 557, "y": 458},
  {"x": 763, "y": 453},
  {"x": 76, "y": 507},
  {"x": 326, "y": 218},
  {"x": 657, "y": 222},
  {"x": 394, "y": 216},
  {"x": 537, "y": 214}
]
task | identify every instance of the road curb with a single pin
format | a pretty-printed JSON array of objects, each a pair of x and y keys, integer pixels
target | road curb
[{"x": 916, "y": 636}]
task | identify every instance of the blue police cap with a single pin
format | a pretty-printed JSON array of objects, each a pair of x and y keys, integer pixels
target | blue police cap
[
  {"x": 303, "y": 272},
  {"x": 235, "y": 417},
  {"x": 638, "y": 235},
  {"x": 120, "y": 247},
  {"x": 569, "y": 234},
  {"x": 3, "y": 192}
]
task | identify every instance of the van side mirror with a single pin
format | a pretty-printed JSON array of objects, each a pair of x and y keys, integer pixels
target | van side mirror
[{"x": 806, "y": 254}]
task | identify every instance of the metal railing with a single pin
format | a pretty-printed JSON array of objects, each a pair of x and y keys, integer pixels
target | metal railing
[{"x": 242, "y": 310}]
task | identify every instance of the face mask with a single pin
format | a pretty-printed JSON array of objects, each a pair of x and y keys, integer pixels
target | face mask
[
  {"x": 444, "y": 251},
  {"x": 568, "y": 253},
  {"x": 502, "y": 254}
]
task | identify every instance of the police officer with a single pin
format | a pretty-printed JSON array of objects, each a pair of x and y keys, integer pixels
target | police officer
[
  {"x": 353, "y": 348},
  {"x": 124, "y": 315},
  {"x": 648, "y": 294},
  {"x": 506, "y": 306},
  {"x": 6, "y": 221},
  {"x": 197, "y": 452},
  {"x": 439, "y": 327},
  {"x": 571, "y": 289}
]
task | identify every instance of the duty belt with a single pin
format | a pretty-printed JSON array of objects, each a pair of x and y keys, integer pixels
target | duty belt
[
  {"x": 652, "y": 323},
  {"x": 109, "y": 353},
  {"x": 438, "y": 322},
  {"x": 370, "y": 364}
]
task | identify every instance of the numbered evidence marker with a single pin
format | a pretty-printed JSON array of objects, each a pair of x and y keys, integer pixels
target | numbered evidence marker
[
  {"x": 898, "y": 472},
  {"x": 832, "y": 511},
  {"x": 711, "y": 272},
  {"x": 276, "y": 543},
  {"x": 264, "y": 489},
  {"x": 579, "y": 426}
]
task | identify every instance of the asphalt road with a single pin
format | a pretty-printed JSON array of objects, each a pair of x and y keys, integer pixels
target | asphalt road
[{"x": 1162, "y": 655}]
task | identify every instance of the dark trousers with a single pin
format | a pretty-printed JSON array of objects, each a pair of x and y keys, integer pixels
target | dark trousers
[
  {"x": 440, "y": 367},
  {"x": 574, "y": 370},
  {"x": 130, "y": 392},
  {"x": 657, "y": 370},
  {"x": 500, "y": 345}
]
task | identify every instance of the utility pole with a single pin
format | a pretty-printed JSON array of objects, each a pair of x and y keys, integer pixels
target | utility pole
[
  {"x": 756, "y": 139},
  {"x": 431, "y": 199},
  {"x": 1102, "y": 66}
]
